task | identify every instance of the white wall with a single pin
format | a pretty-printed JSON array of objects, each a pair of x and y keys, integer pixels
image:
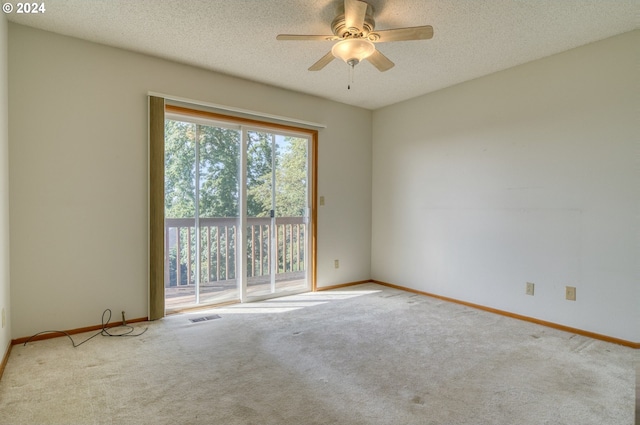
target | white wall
[
  {"x": 78, "y": 169},
  {"x": 530, "y": 174},
  {"x": 5, "y": 328}
]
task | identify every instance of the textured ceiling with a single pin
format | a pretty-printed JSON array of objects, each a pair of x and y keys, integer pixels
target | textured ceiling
[{"x": 472, "y": 38}]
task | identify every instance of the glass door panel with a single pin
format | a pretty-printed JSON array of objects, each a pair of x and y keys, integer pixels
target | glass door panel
[
  {"x": 260, "y": 199},
  {"x": 201, "y": 213},
  {"x": 218, "y": 212},
  {"x": 179, "y": 207},
  {"x": 291, "y": 199},
  {"x": 277, "y": 210}
]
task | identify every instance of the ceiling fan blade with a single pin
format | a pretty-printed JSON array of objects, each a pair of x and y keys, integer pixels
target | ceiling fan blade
[
  {"x": 380, "y": 61},
  {"x": 402, "y": 34},
  {"x": 354, "y": 13},
  {"x": 324, "y": 61},
  {"x": 306, "y": 37}
]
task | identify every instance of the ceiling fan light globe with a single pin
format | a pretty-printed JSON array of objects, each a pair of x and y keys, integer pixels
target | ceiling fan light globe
[{"x": 353, "y": 50}]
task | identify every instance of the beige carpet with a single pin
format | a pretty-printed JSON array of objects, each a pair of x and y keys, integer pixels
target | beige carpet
[{"x": 362, "y": 355}]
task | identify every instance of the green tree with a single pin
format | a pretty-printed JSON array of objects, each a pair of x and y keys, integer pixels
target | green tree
[
  {"x": 218, "y": 169},
  {"x": 219, "y": 180},
  {"x": 179, "y": 171},
  {"x": 291, "y": 180},
  {"x": 259, "y": 166}
]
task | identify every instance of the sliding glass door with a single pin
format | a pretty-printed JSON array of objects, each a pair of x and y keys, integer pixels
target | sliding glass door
[
  {"x": 237, "y": 205},
  {"x": 277, "y": 222}
]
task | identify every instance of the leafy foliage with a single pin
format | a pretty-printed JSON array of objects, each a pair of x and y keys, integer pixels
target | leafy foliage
[{"x": 218, "y": 159}]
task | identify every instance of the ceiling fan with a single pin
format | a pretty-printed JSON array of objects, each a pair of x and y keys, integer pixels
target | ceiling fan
[{"x": 354, "y": 28}]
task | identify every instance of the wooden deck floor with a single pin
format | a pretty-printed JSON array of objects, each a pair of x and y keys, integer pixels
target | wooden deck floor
[{"x": 183, "y": 297}]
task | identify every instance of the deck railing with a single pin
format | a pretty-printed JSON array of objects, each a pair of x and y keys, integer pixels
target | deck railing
[{"x": 218, "y": 248}]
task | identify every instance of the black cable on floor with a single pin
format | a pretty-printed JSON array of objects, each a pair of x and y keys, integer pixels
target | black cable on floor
[{"x": 103, "y": 331}]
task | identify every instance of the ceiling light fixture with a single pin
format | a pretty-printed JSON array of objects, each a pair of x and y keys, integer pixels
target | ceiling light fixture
[{"x": 352, "y": 51}]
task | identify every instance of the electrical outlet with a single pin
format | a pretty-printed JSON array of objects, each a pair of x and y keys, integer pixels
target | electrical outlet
[
  {"x": 530, "y": 288},
  {"x": 321, "y": 200},
  {"x": 570, "y": 293},
  {"x": 336, "y": 264}
]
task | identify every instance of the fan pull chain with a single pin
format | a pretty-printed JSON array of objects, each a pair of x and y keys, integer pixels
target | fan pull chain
[{"x": 351, "y": 69}]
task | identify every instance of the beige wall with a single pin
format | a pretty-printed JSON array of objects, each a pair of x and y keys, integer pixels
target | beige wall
[
  {"x": 5, "y": 327},
  {"x": 528, "y": 175},
  {"x": 78, "y": 174}
]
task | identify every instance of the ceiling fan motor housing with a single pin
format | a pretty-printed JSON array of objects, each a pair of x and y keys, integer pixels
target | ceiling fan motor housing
[{"x": 339, "y": 27}]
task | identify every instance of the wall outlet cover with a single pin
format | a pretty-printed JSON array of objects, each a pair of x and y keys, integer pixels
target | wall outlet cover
[
  {"x": 530, "y": 288},
  {"x": 570, "y": 293}
]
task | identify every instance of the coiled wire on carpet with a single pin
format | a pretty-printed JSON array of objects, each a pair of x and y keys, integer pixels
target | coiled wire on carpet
[{"x": 103, "y": 331}]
